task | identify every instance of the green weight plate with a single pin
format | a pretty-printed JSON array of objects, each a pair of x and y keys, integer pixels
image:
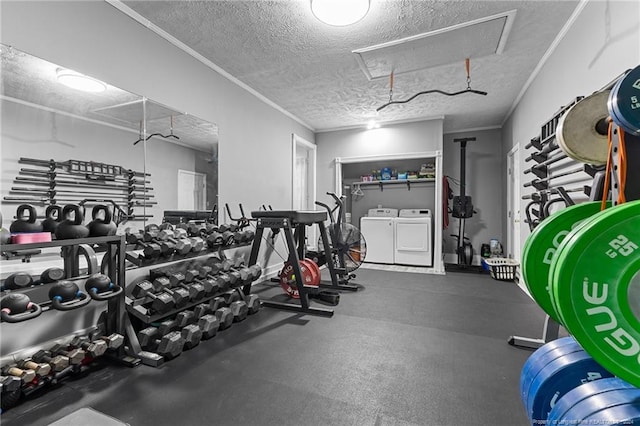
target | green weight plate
[
  {"x": 596, "y": 286},
  {"x": 541, "y": 245}
]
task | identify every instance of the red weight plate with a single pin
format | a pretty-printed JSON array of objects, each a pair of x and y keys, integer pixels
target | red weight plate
[
  {"x": 315, "y": 270},
  {"x": 288, "y": 280}
]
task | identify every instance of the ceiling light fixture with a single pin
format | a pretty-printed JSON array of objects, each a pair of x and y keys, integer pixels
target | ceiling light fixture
[
  {"x": 373, "y": 124},
  {"x": 340, "y": 13},
  {"x": 78, "y": 81}
]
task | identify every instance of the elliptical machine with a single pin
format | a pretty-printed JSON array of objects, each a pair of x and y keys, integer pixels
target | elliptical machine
[{"x": 462, "y": 209}]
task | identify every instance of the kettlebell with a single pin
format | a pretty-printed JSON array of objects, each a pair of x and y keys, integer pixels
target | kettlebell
[
  {"x": 53, "y": 217},
  {"x": 101, "y": 227},
  {"x": 24, "y": 224},
  {"x": 5, "y": 235},
  {"x": 100, "y": 287},
  {"x": 17, "y": 307},
  {"x": 71, "y": 228},
  {"x": 65, "y": 296}
]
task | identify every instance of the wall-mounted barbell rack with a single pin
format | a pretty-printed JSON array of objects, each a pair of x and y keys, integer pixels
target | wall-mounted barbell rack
[{"x": 83, "y": 182}]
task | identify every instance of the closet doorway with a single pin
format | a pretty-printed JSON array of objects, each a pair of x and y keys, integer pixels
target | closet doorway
[{"x": 303, "y": 182}]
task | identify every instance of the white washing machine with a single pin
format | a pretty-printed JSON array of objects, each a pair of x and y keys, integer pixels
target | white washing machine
[
  {"x": 413, "y": 240},
  {"x": 379, "y": 233}
]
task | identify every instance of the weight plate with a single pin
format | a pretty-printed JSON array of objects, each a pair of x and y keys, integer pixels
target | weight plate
[
  {"x": 288, "y": 280},
  {"x": 576, "y": 132},
  {"x": 596, "y": 288},
  {"x": 582, "y": 392},
  {"x": 315, "y": 271},
  {"x": 624, "y": 102},
  {"x": 595, "y": 405},
  {"x": 559, "y": 377},
  {"x": 541, "y": 245},
  {"x": 541, "y": 357},
  {"x": 625, "y": 414}
]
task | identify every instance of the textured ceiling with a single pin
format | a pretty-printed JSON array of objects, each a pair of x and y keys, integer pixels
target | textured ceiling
[{"x": 279, "y": 49}]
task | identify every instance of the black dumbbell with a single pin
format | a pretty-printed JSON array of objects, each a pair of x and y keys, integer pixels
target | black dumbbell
[
  {"x": 9, "y": 384},
  {"x": 253, "y": 303},
  {"x": 197, "y": 244},
  {"x": 161, "y": 302},
  {"x": 197, "y": 289},
  {"x": 192, "y": 335},
  {"x": 27, "y": 375},
  {"x": 167, "y": 326},
  {"x": 230, "y": 297},
  {"x": 151, "y": 250},
  {"x": 94, "y": 349},
  {"x": 215, "y": 240},
  {"x": 41, "y": 368},
  {"x": 57, "y": 363},
  {"x": 185, "y": 318},
  {"x": 133, "y": 237},
  {"x": 181, "y": 295},
  {"x": 169, "y": 345},
  {"x": 209, "y": 325},
  {"x": 113, "y": 341},
  {"x": 225, "y": 317},
  {"x": 216, "y": 303},
  {"x": 75, "y": 356},
  {"x": 239, "y": 309},
  {"x": 227, "y": 227}
]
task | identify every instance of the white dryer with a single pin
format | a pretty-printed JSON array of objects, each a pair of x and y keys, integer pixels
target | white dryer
[
  {"x": 379, "y": 232},
  {"x": 413, "y": 238}
]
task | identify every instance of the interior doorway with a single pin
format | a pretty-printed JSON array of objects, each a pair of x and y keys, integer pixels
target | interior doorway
[
  {"x": 192, "y": 190},
  {"x": 303, "y": 179}
]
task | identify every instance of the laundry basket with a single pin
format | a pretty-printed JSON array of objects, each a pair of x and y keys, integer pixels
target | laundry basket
[{"x": 501, "y": 268}]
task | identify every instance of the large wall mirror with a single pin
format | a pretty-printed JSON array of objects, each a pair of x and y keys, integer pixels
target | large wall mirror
[{"x": 43, "y": 120}]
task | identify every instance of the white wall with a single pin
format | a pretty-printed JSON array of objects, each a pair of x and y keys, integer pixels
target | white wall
[
  {"x": 94, "y": 38},
  {"x": 603, "y": 41},
  {"x": 421, "y": 136},
  {"x": 485, "y": 170}
]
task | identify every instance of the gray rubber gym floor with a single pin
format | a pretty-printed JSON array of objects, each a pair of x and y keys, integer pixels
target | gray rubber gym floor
[{"x": 407, "y": 349}]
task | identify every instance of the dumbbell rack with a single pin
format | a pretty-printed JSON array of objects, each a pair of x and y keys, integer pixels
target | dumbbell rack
[
  {"x": 148, "y": 268},
  {"x": 76, "y": 181},
  {"x": 115, "y": 318}
]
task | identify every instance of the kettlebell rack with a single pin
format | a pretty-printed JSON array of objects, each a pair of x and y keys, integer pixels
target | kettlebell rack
[
  {"x": 76, "y": 181},
  {"x": 114, "y": 319}
]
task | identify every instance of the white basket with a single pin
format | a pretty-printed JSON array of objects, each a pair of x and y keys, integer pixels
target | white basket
[{"x": 501, "y": 268}]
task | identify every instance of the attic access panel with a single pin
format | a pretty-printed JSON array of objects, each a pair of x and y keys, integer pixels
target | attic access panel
[{"x": 473, "y": 39}]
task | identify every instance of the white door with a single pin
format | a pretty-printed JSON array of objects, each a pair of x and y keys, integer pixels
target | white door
[
  {"x": 513, "y": 204},
  {"x": 192, "y": 190},
  {"x": 303, "y": 182}
]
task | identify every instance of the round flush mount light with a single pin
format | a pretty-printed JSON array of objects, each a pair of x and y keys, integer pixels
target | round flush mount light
[
  {"x": 78, "y": 81},
  {"x": 340, "y": 13}
]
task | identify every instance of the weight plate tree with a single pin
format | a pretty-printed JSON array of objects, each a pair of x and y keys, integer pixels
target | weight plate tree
[
  {"x": 596, "y": 287},
  {"x": 542, "y": 244}
]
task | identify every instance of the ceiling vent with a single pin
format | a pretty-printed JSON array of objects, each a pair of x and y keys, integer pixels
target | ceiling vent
[{"x": 474, "y": 39}]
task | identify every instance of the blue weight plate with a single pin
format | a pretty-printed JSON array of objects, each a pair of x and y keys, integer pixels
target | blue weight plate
[
  {"x": 543, "y": 356},
  {"x": 590, "y": 406},
  {"x": 582, "y": 392},
  {"x": 624, "y": 102},
  {"x": 559, "y": 377},
  {"x": 626, "y": 414}
]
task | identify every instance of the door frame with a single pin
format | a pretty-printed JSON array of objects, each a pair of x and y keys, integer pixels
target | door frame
[
  {"x": 204, "y": 183},
  {"x": 298, "y": 142},
  {"x": 513, "y": 218},
  {"x": 438, "y": 262}
]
